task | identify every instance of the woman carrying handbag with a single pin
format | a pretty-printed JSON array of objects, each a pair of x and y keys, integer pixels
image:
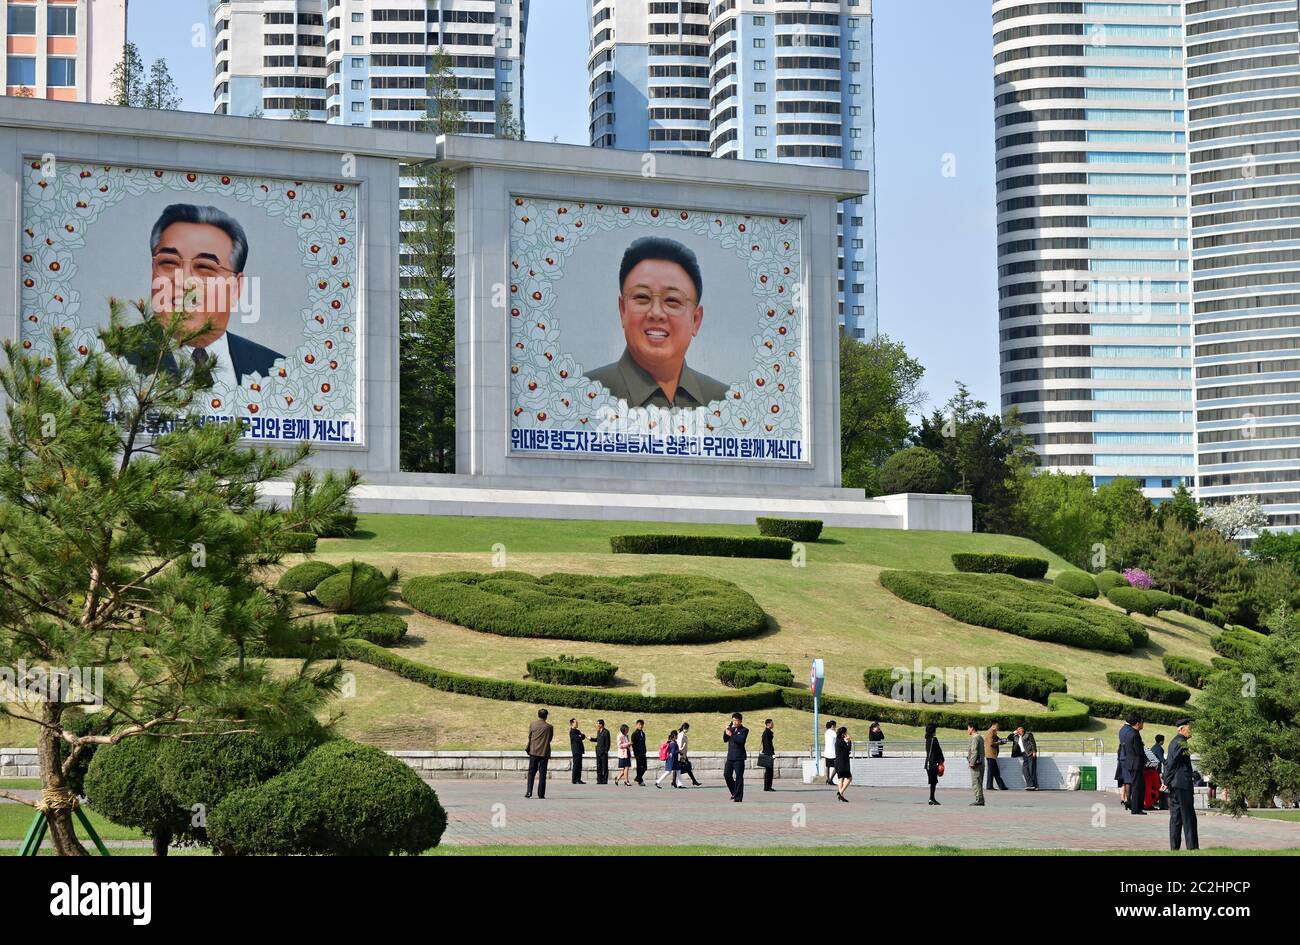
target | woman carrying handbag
[{"x": 933, "y": 759}]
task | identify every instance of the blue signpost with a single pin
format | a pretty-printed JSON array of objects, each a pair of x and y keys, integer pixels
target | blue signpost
[{"x": 816, "y": 680}]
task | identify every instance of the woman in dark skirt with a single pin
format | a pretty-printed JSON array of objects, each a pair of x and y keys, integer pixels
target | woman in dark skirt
[
  {"x": 843, "y": 772},
  {"x": 933, "y": 759}
]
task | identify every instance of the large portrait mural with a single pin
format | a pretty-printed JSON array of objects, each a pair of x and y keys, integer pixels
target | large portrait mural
[
  {"x": 269, "y": 265},
  {"x": 655, "y": 331}
]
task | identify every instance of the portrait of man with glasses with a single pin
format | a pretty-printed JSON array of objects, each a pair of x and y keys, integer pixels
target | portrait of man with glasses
[
  {"x": 198, "y": 269},
  {"x": 660, "y": 288}
]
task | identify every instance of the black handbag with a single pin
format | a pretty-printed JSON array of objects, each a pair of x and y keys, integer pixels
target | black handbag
[{"x": 765, "y": 761}]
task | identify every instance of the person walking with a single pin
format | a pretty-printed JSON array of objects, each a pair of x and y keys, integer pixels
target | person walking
[
  {"x": 734, "y": 772},
  {"x": 1027, "y": 749},
  {"x": 1158, "y": 753},
  {"x": 577, "y": 748},
  {"x": 1178, "y": 782},
  {"x": 1134, "y": 766},
  {"x": 828, "y": 752},
  {"x": 933, "y": 760},
  {"x": 540, "y": 734},
  {"x": 601, "y": 738},
  {"x": 993, "y": 742},
  {"x": 668, "y": 755},
  {"x": 843, "y": 754},
  {"x": 876, "y": 740},
  {"x": 684, "y": 766},
  {"x": 638, "y": 751},
  {"x": 624, "y": 757},
  {"x": 767, "y": 757},
  {"x": 975, "y": 761}
]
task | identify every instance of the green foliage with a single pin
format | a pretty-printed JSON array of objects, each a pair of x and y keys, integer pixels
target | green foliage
[
  {"x": 641, "y": 609},
  {"x": 356, "y": 588},
  {"x": 795, "y": 529},
  {"x": 1025, "y": 681},
  {"x": 81, "y": 723},
  {"x": 123, "y": 783},
  {"x": 572, "y": 670},
  {"x": 1186, "y": 670},
  {"x": 1148, "y": 688},
  {"x": 302, "y": 543},
  {"x": 303, "y": 578},
  {"x": 880, "y": 384},
  {"x": 1118, "y": 709},
  {"x": 1238, "y": 643},
  {"x": 1282, "y": 547},
  {"x": 1035, "y": 611},
  {"x": 1180, "y": 508},
  {"x": 985, "y": 563},
  {"x": 1274, "y": 584},
  {"x": 741, "y": 674},
  {"x": 1161, "y": 599},
  {"x": 379, "y": 628},
  {"x": 1064, "y": 713},
  {"x": 1133, "y": 600},
  {"x": 915, "y": 469},
  {"x": 1193, "y": 609},
  {"x": 1106, "y": 580},
  {"x": 721, "y": 546},
  {"x": 902, "y": 685},
  {"x": 1059, "y": 511},
  {"x": 343, "y": 799},
  {"x": 1078, "y": 583},
  {"x": 322, "y": 505}
]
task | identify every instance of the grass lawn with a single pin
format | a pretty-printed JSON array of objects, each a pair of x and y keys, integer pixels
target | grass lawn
[
  {"x": 16, "y": 818},
  {"x": 1292, "y": 815},
  {"x": 902, "y": 850}
]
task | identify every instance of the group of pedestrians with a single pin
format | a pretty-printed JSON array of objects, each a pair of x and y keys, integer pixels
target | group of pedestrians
[
  {"x": 982, "y": 759},
  {"x": 1152, "y": 778}
]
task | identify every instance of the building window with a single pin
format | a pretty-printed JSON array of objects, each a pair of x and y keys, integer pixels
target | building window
[
  {"x": 505, "y": 65},
  {"x": 22, "y": 70},
  {"x": 358, "y": 62},
  {"x": 855, "y": 89},
  {"x": 358, "y": 84},
  {"x": 22, "y": 22},
  {"x": 760, "y": 42},
  {"x": 855, "y": 221},
  {"x": 760, "y": 154},
  {"x": 760, "y": 86},
  {"x": 855, "y": 155},
  {"x": 853, "y": 23},
  {"x": 859, "y": 311},
  {"x": 760, "y": 109},
  {"x": 61, "y": 72},
  {"x": 358, "y": 17},
  {"x": 760, "y": 131},
  {"x": 855, "y": 44},
  {"x": 760, "y": 21},
  {"x": 855, "y": 132},
  {"x": 358, "y": 106},
  {"x": 358, "y": 40},
  {"x": 62, "y": 21},
  {"x": 855, "y": 67},
  {"x": 760, "y": 65},
  {"x": 859, "y": 265},
  {"x": 857, "y": 244}
]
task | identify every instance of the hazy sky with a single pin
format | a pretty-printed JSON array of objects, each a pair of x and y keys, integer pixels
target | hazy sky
[{"x": 934, "y": 98}]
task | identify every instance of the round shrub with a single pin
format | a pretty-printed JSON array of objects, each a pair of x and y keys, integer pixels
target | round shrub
[
  {"x": 1162, "y": 600},
  {"x": 741, "y": 674},
  {"x": 123, "y": 784},
  {"x": 915, "y": 469},
  {"x": 795, "y": 529},
  {"x": 1188, "y": 671},
  {"x": 572, "y": 670},
  {"x": 343, "y": 799},
  {"x": 382, "y": 629},
  {"x": 1078, "y": 583},
  {"x": 984, "y": 563},
  {"x": 296, "y": 542},
  {"x": 303, "y": 578},
  {"x": 903, "y": 685},
  {"x": 1132, "y": 600},
  {"x": 1108, "y": 579},
  {"x": 720, "y": 546},
  {"x": 357, "y": 588},
  {"x": 1148, "y": 688},
  {"x": 1025, "y": 681},
  {"x": 635, "y": 609}
]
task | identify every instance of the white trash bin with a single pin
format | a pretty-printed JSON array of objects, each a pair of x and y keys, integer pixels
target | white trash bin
[
  {"x": 810, "y": 769},
  {"x": 1072, "y": 778}
]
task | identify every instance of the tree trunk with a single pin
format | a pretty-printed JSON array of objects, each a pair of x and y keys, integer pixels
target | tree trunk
[
  {"x": 161, "y": 841},
  {"x": 61, "y": 833}
]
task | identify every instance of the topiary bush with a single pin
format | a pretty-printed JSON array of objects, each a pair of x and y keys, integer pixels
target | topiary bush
[
  {"x": 1115, "y": 709},
  {"x": 795, "y": 529},
  {"x": 741, "y": 674},
  {"x": 1026, "y": 681},
  {"x": 636, "y": 609},
  {"x": 915, "y": 469},
  {"x": 979, "y": 562},
  {"x": 123, "y": 783},
  {"x": 1078, "y": 583},
  {"x": 357, "y": 588},
  {"x": 1236, "y": 642},
  {"x": 382, "y": 629},
  {"x": 1148, "y": 688},
  {"x": 1035, "y": 611},
  {"x": 1162, "y": 599},
  {"x": 721, "y": 546},
  {"x": 1193, "y": 609},
  {"x": 572, "y": 670},
  {"x": 343, "y": 799},
  {"x": 902, "y": 685},
  {"x": 1132, "y": 600},
  {"x": 1106, "y": 580},
  {"x": 303, "y": 543},
  {"x": 303, "y": 578},
  {"x": 1186, "y": 670}
]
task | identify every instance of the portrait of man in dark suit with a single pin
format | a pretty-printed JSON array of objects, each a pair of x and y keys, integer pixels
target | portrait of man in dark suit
[
  {"x": 198, "y": 257},
  {"x": 660, "y": 287}
]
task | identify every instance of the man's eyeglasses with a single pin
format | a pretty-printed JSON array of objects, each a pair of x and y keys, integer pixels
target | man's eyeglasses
[
  {"x": 670, "y": 303},
  {"x": 167, "y": 264}
]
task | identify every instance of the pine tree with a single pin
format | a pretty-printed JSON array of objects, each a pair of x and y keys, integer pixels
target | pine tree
[
  {"x": 160, "y": 92},
  {"x": 131, "y": 543},
  {"x": 128, "y": 81}
]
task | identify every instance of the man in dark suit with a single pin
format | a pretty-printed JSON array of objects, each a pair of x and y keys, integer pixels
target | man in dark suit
[
  {"x": 734, "y": 772},
  {"x": 768, "y": 753},
  {"x": 577, "y": 748},
  {"x": 1177, "y": 776},
  {"x": 540, "y": 734},
  {"x": 638, "y": 751},
  {"x": 198, "y": 256},
  {"x": 1133, "y": 763},
  {"x": 1025, "y": 748},
  {"x": 601, "y": 738}
]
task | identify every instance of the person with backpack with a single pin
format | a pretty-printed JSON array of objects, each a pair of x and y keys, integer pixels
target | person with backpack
[
  {"x": 684, "y": 766},
  {"x": 668, "y": 755}
]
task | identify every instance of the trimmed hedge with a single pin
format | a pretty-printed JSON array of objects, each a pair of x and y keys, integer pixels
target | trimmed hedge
[
  {"x": 383, "y": 629},
  {"x": 1034, "y": 611},
  {"x": 741, "y": 674},
  {"x": 721, "y": 546},
  {"x": 572, "y": 670},
  {"x": 907, "y": 686},
  {"x": 343, "y": 799},
  {"x": 1065, "y": 713},
  {"x": 978, "y": 562},
  {"x": 796, "y": 529},
  {"x": 1132, "y": 600},
  {"x": 1193, "y": 609},
  {"x": 1188, "y": 671},
  {"x": 1148, "y": 688},
  {"x": 1078, "y": 583},
  {"x": 637, "y": 609},
  {"x": 296, "y": 542},
  {"x": 1115, "y": 709},
  {"x": 1236, "y": 642},
  {"x": 1026, "y": 681},
  {"x": 1225, "y": 664},
  {"x": 1162, "y": 599},
  {"x": 303, "y": 578},
  {"x": 357, "y": 588},
  {"x": 1108, "y": 579}
]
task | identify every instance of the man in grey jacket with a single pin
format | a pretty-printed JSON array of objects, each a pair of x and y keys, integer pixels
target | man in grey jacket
[
  {"x": 975, "y": 761},
  {"x": 540, "y": 734}
]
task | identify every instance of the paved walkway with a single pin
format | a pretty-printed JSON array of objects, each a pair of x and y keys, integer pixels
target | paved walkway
[{"x": 496, "y": 812}]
